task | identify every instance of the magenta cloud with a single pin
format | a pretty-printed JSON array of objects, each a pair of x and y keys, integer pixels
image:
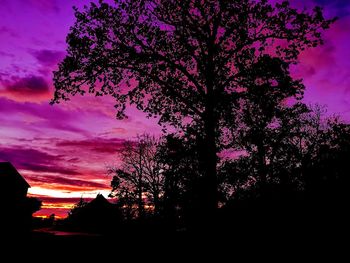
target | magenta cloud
[
  {"x": 66, "y": 181},
  {"x": 47, "y": 57},
  {"x": 29, "y": 85},
  {"x": 100, "y": 145},
  {"x": 35, "y": 160}
]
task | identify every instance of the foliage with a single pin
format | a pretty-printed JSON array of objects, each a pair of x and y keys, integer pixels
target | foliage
[
  {"x": 301, "y": 142},
  {"x": 77, "y": 208},
  {"x": 139, "y": 176},
  {"x": 188, "y": 62}
]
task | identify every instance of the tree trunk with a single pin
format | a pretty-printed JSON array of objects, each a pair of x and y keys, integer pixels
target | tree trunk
[
  {"x": 262, "y": 163},
  {"x": 210, "y": 197},
  {"x": 171, "y": 195},
  {"x": 209, "y": 187},
  {"x": 156, "y": 203},
  {"x": 140, "y": 202}
]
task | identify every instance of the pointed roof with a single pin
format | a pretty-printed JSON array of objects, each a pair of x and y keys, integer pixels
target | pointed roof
[
  {"x": 99, "y": 201},
  {"x": 7, "y": 170}
]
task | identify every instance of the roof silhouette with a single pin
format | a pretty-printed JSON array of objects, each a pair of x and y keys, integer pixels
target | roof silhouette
[
  {"x": 100, "y": 202},
  {"x": 9, "y": 173}
]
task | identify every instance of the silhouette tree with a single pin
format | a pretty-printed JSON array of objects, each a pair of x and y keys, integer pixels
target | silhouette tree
[
  {"x": 140, "y": 173},
  {"x": 77, "y": 208},
  {"x": 126, "y": 198},
  {"x": 325, "y": 167},
  {"x": 306, "y": 168},
  {"x": 262, "y": 105},
  {"x": 181, "y": 170},
  {"x": 280, "y": 142},
  {"x": 183, "y": 60}
]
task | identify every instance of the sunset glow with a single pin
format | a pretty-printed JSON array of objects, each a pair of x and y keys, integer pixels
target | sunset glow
[{"x": 64, "y": 151}]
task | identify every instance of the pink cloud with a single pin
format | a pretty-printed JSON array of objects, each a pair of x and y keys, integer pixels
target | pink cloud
[
  {"x": 17, "y": 114},
  {"x": 66, "y": 182},
  {"x": 35, "y": 160},
  {"x": 27, "y": 85},
  {"x": 58, "y": 200},
  {"x": 99, "y": 145},
  {"x": 22, "y": 88}
]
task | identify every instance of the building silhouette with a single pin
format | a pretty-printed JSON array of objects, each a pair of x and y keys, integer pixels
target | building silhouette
[
  {"x": 99, "y": 215},
  {"x": 16, "y": 208},
  {"x": 14, "y": 186}
]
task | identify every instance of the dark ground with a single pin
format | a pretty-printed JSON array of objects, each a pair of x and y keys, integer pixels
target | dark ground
[{"x": 227, "y": 246}]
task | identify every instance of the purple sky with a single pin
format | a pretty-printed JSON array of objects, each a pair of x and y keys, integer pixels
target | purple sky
[{"x": 63, "y": 150}]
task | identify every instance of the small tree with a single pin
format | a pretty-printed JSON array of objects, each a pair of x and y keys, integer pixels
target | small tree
[
  {"x": 140, "y": 173},
  {"x": 80, "y": 205},
  {"x": 126, "y": 197}
]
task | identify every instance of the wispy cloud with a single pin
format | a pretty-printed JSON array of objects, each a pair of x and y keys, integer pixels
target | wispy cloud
[
  {"x": 68, "y": 182},
  {"x": 35, "y": 160},
  {"x": 99, "y": 145},
  {"x": 29, "y": 85}
]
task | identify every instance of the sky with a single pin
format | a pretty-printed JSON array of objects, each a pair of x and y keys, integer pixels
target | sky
[{"x": 63, "y": 151}]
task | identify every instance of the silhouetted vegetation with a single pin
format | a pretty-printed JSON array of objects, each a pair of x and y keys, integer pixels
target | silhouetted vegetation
[
  {"x": 246, "y": 152},
  {"x": 45, "y": 222},
  {"x": 301, "y": 188},
  {"x": 139, "y": 178},
  {"x": 301, "y": 173},
  {"x": 186, "y": 61}
]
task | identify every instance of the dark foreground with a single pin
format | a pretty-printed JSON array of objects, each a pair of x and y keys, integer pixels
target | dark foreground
[{"x": 223, "y": 246}]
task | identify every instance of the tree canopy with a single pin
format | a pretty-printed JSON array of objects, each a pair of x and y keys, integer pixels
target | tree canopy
[
  {"x": 187, "y": 61},
  {"x": 179, "y": 53}
]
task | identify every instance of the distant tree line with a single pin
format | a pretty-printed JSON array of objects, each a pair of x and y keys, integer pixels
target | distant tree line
[{"x": 295, "y": 154}]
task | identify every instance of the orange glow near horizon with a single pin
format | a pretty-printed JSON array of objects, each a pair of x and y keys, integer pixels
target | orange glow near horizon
[
  {"x": 40, "y": 191},
  {"x": 60, "y": 202},
  {"x": 47, "y": 216}
]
